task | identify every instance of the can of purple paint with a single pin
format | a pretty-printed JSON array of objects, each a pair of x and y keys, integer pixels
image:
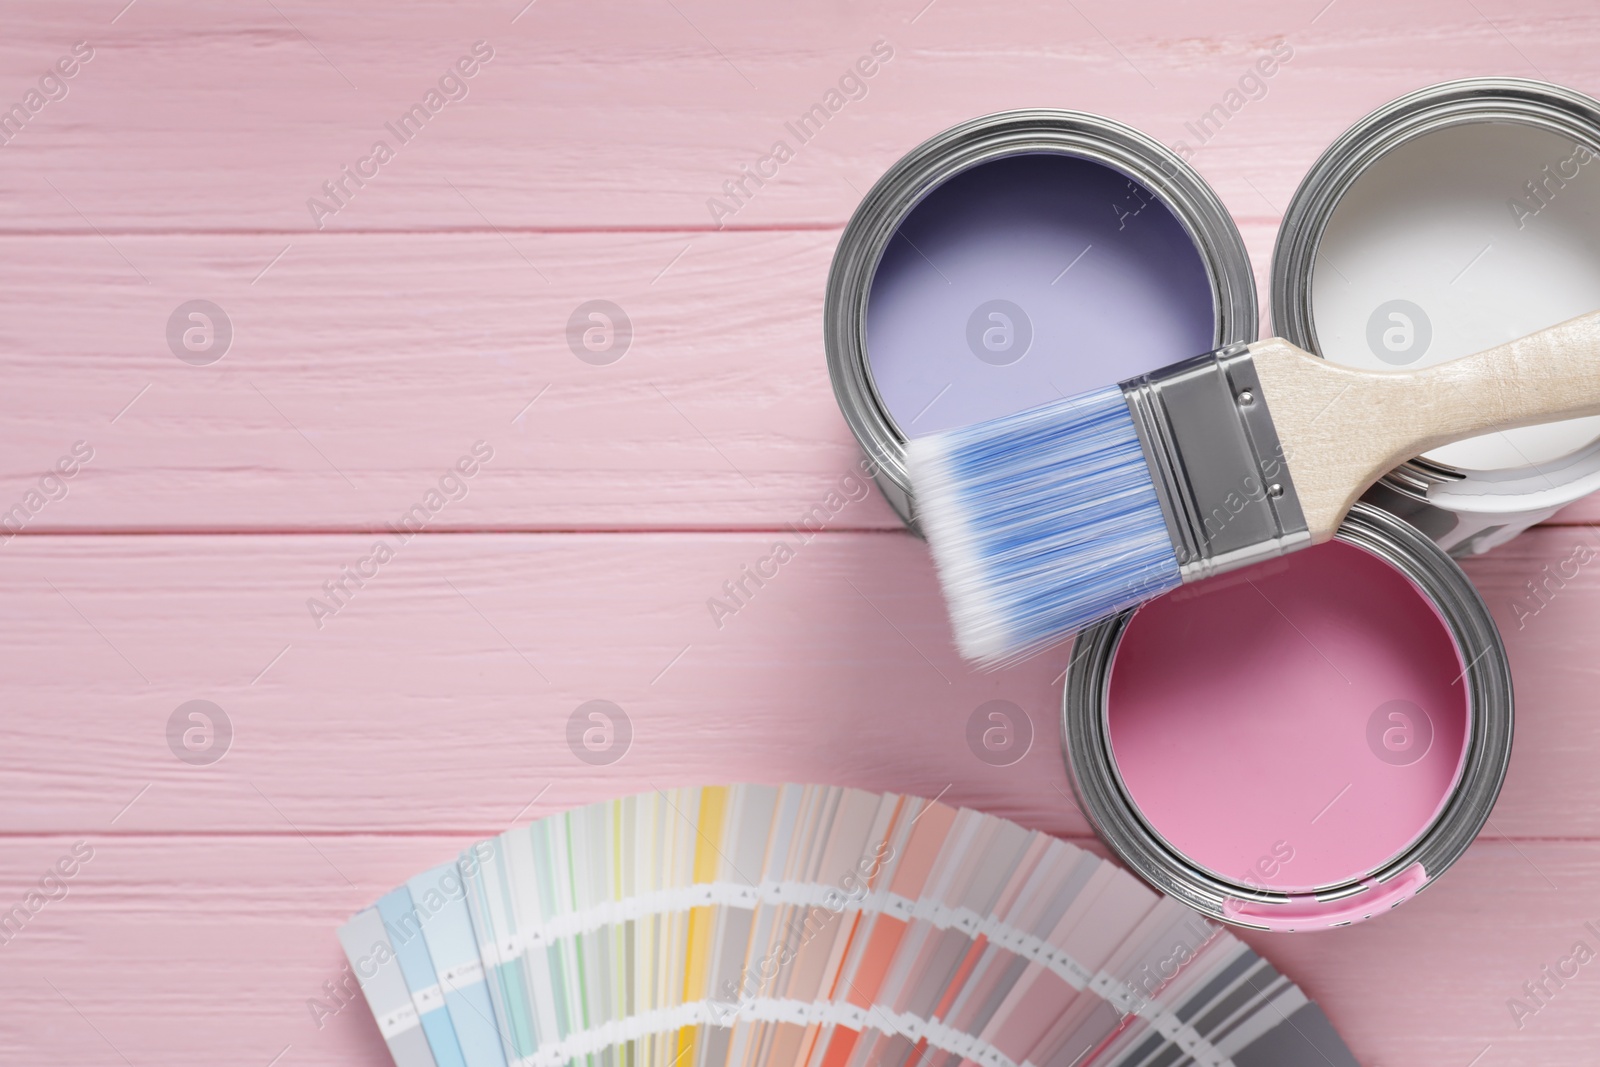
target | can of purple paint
[
  {"x": 1015, "y": 259},
  {"x": 1302, "y": 744},
  {"x": 1450, "y": 220}
]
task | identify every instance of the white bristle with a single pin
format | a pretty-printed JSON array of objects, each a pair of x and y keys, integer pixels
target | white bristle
[{"x": 1041, "y": 523}]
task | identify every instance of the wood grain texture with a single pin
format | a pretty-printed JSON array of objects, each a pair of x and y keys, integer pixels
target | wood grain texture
[
  {"x": 426, "y": 314},
  {"x": 437, "y": 697},
  {"x": 606, "y": 115},
  {"x": 363, "y": 366},
  {"x": 1342, "y": 428}
]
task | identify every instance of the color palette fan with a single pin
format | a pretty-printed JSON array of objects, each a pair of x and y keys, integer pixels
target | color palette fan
[{"x": 772, "y": 925}]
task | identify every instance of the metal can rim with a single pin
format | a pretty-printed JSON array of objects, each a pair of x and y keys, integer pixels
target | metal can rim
[
  {"x": 1423, "y": 111},
  {"x": 1105, "y": 802},
  {"x": 980, "y": 140}
]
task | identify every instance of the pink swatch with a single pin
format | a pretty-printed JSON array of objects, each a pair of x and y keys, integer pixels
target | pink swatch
[{"x": 1292, "y": 726}]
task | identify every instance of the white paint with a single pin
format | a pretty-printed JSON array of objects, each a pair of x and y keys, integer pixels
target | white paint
[{"x": 1449, "y": 223}]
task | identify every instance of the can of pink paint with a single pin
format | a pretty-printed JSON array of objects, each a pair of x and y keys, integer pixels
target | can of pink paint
[
  {"x": 1298, "y": 745},
  {"x": 1017, "y": 258},
  {"x": 1453, "y": 219}
]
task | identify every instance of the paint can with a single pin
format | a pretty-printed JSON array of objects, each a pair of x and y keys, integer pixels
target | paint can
[
  {"x": 1455, "y": 218},
  {"x": 1302, "y": 744},
  {"x": 989, "y": 269}
]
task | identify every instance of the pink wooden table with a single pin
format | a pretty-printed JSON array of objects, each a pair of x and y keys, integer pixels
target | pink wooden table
[{"x": 376, "y": 339}]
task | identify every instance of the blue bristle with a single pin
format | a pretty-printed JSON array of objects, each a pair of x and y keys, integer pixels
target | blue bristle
[{"x": 1041, "y": 523}]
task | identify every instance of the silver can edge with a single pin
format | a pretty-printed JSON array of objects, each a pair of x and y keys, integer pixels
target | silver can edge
[{"x": 1112, "y": 814}]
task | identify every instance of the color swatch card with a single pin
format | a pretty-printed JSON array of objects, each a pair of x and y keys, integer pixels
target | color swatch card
[{"x": 767, "y": 926}]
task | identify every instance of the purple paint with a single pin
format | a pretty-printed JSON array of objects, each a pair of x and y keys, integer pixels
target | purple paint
[{"x": 1027, "y": 279}]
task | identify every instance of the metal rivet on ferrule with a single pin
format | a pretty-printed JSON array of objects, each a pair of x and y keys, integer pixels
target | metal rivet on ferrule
[
  {"x": 1274, "y": 490},
  {"x": 1246, "y": 398}
]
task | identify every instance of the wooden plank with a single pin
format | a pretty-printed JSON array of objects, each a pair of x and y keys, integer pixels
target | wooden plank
[
  {"x": 361, "y": 367},
  {"x": 437, "y": 696},
  {"x": 1431, "y": 983},
  {"x": 607, "y": 115},
  {"x": 168, "y": 949}
]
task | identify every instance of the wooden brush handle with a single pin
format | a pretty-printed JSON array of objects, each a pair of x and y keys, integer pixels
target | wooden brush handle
[{"x": 1343, "y": 428}]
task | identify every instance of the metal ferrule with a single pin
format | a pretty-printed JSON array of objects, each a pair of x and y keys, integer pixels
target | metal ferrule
[{"x": 1217, "y": 465}]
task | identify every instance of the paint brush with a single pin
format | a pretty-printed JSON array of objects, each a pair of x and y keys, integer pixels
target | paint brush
[{"x": 1048, "y": 520}]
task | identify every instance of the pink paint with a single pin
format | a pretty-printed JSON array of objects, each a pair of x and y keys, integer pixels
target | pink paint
[
  {"x": 1099, "y": 282},
  {"x": 1241, "y": 718}
]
